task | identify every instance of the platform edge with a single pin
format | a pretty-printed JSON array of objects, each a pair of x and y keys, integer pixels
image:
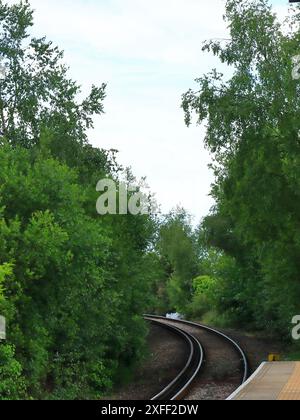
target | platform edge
[{"x": 232, "y": 396}]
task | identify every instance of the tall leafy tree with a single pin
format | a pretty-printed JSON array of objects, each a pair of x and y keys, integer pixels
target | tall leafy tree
[
  {"x": 253, "y": 134},
  {"x": 73, "y": 285},
  {"x": 178, "y": 249},
  {"x": 35, "y": 90}
]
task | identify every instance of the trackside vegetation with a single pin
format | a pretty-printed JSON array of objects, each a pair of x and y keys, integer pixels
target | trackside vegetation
[
  {"x": 253, "y": 125},
  {"x": 73, "y": 284}
]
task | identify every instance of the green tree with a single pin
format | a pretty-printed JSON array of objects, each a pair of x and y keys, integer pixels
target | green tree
[
  {"x": 178, "y": 249},
  {"x": 5, "y": 270},
  {"x": 253, "y": 133},
  {"x": 12, "y": 384},
  {"x": 36, "y": 91},
  {"x": 79, "y": 286},
  {"x": 73, "y": 285}
]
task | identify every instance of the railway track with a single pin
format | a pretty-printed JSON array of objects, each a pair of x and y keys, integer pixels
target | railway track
[{"x": 180, "y": 387}]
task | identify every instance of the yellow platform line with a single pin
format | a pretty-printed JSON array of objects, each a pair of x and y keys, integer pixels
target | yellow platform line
[{"x": 291, "y": 391}]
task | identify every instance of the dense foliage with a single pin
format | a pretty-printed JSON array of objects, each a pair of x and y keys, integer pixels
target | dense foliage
[
  {"x": 253, "y": 134},
  {"x": 178, "y": 252},
  {"x": 73, "y": 285}
]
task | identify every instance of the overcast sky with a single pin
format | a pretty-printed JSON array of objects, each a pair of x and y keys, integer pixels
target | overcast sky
[{"x": 149, "y": 53}]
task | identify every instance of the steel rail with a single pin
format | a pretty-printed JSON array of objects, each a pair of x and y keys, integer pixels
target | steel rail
[
  {"x": 236, "y": 346},
  {"x": 179, "y": 386}
]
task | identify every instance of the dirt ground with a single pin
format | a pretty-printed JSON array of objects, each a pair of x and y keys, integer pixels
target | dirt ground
[
  {"x": 168, "y": 356},
  {"x": 220, "y": 376}
]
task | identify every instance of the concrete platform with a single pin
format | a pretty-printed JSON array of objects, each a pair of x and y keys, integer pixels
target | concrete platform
[{"x": 277, "y": 381}]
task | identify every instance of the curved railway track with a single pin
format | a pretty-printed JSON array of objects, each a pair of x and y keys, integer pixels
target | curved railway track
[{"x": 178, "y": 388}]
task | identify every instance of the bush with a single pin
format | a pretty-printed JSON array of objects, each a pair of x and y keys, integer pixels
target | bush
[
  {"x": 12, "y": 383},
  {"x": 77, "y": 289},
  {"x": 203, "y": 297}
]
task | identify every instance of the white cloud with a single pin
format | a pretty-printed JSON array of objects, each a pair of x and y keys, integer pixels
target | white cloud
[
  {"x": 149, "y": 52},
  {"x": 165, "y": 30}
]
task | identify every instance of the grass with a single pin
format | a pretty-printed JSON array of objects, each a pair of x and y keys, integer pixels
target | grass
[
  {"x": 218, "y": 321},
  {"x": 293, "y": 356}
]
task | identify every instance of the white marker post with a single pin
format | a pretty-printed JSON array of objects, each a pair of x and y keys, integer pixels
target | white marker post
[{"x": 2, "y": 328}]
